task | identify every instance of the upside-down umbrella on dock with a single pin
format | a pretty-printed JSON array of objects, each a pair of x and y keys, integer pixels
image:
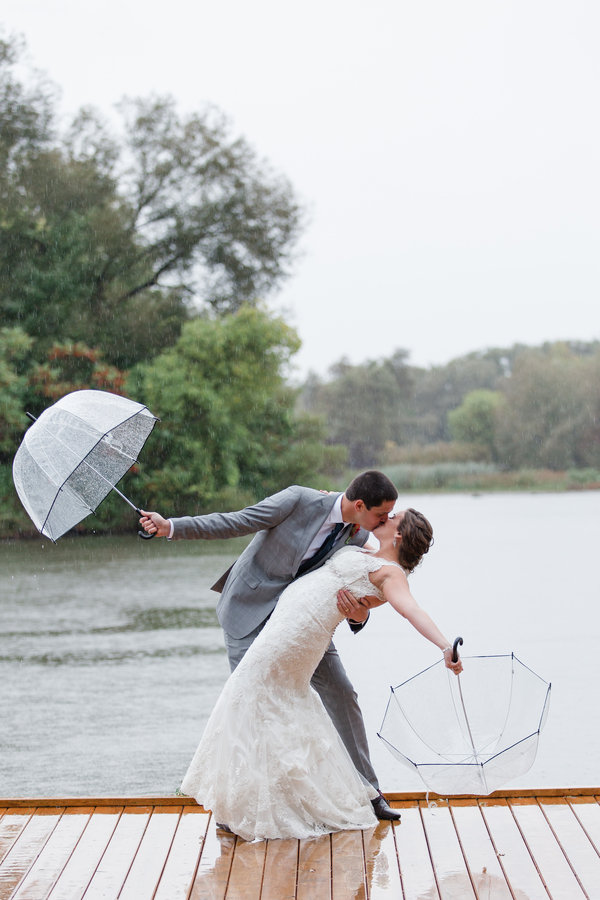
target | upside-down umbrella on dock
[
  {"x": 75, "y": 453},
  {"x": 471, "y": 733}
]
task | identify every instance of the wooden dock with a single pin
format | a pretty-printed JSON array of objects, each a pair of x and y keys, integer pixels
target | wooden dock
[{"x": 528, "y": 845}]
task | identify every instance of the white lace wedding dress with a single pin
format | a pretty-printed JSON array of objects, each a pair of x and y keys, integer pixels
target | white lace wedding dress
[{"x": 270, "y": 763}]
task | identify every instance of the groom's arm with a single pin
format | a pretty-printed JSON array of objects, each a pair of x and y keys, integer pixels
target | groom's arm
[{"x": 267, "y": 514}]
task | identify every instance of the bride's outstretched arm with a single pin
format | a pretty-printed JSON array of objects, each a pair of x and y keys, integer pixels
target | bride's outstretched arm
[{"x": 396, "y": 592}]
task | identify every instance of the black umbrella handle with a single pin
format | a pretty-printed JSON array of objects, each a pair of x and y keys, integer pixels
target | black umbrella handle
[
  {"x": 458, "y": 641},
  {"x": 144, "y": 534}
]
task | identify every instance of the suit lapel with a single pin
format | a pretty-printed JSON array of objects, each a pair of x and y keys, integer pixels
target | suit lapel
[{"x": 220, "y": 582}]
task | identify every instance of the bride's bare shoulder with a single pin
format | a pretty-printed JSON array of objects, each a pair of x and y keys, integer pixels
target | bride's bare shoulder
[{"x": 387, "y": 571}]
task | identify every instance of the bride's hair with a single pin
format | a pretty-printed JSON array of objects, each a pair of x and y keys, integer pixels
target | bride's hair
[{"x": 417, "y": 537}]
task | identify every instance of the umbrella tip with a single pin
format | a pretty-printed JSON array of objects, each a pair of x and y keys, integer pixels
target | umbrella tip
[{"x": 31, "y": 416}]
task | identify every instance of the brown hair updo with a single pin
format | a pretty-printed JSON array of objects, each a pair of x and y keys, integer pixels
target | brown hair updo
[{"x": 417, "y": 537}]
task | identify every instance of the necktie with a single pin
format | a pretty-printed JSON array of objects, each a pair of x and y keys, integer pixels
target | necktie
[{"x": 321, "y": 551}]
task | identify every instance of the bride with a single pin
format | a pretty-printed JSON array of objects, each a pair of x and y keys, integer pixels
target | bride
[{"x": 270, "y": 763}]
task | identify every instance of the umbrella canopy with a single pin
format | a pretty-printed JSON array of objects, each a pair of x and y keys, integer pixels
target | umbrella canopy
[
  {"x": 467, "y": 734},
  {"x": 74, "y": 454}
]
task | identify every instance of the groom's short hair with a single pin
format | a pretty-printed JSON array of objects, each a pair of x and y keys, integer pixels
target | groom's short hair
[{"x": 373, "y": 488}]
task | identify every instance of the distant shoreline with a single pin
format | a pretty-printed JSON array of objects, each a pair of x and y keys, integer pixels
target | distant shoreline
[
  {"x": 439, "y": 478},
  {"x": 487, "y": 478}
]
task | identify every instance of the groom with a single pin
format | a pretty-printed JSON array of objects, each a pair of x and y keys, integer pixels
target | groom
[{"x": 296, "y": 531}]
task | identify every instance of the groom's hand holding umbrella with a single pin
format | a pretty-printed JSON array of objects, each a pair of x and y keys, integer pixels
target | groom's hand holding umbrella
[{"x": 154, "y": 523}]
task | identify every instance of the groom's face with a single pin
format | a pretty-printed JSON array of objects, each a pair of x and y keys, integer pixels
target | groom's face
[{"x": 372, "y": 518}]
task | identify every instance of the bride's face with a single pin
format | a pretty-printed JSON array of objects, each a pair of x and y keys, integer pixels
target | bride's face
[{"x": 389, "y": 529}]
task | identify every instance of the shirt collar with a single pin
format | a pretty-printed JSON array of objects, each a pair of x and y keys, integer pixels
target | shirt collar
[{"x": 335, "y": 515}]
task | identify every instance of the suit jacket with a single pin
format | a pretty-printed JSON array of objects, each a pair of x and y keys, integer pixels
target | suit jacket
[{"x": 284, "y": 526}]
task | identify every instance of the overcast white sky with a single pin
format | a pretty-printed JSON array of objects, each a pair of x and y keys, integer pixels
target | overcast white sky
[{"x": 448, "y": 151}]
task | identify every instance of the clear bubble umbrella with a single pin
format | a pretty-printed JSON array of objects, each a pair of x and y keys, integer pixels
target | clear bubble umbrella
[
  {"x": 471, "y": 733},
  {"x": 74, "y": 454}
]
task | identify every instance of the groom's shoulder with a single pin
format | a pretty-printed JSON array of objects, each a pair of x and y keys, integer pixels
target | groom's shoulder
[
  {"x": 312, "y": 494},
  {"x": 298, "y": 495},
  {"x": 291, "y": 496}
]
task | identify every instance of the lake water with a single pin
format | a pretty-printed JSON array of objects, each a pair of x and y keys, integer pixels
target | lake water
[{"x": 111, "y": 656}]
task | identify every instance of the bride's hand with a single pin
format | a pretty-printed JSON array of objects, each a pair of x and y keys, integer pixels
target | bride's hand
[{"x": 455, "y": 667}]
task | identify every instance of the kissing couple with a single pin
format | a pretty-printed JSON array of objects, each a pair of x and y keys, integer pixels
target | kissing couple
[{"x": 284, "y": 753}]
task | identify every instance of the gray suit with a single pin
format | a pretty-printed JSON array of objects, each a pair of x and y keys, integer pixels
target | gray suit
[{"x": 284, "y": 526}]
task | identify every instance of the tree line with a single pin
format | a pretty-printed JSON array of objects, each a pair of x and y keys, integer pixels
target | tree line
[
  {"x": 138, "y": 258},
  {"x": 517, "y": 407}
]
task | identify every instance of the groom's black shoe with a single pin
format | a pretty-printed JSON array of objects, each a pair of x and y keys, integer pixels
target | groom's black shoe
[
  {"x": 223, "y": 828},
  {"x": 383, "y": 811}
]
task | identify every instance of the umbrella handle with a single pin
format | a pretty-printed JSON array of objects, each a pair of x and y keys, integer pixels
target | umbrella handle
[
  {"x": 142, "y": 533},
  {"x": 458, "y": 640}
]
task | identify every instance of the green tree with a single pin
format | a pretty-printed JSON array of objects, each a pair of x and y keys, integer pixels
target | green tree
[
  {"x": 363, "y": 406},
  {"x": 474, "y": 421},
  {"x": 228, "y": 431},
  {"x": 114, "y": 241},
  {"x": 440, "y": 389},
  {"x": 26, "y": 110},
  {"x": 15, "y": 347},
  {"x": 207, "y": 209},
  {"x": 550, "y": 418}
]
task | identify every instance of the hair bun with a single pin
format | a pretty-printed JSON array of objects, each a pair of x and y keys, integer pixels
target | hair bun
[{"x": 417, "y": 538}]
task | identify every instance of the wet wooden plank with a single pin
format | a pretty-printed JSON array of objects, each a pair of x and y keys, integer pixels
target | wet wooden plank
[
  {"x": 53, "y": 857},
  {"x": 545, "y": 850},
  {"x": 87, "y": 854},
  {"x": 580, "y": 853},
  {"x": 118, "y": 857},
  {"x": 587, "y": 811},
  {"x": 184, "y": 857},
  {"x": 246, "y": 876},
  {"x": 26, "y": 850},
  {"x": 281, "y": 870},
  {"x": 513, "y": 854},
  {"x": 314, "y": 869},
  {"x": 381, "y": 862},
  {"x": 416, "y": 869},
  {"x": 11, "y": 826},
  {"x": 451, "y": 871},
  {"x": 347, "y": 866},
  {"x": 151, "y": 856},
  {"x": 485, "y": 870},
  {"x": 212, "y": 876}
]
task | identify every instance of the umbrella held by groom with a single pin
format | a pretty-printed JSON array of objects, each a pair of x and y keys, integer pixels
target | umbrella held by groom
[{"x": 296, "y": 531}]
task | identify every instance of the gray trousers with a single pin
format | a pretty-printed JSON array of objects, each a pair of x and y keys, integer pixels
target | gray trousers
[{"x": 337, "y": 694}]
